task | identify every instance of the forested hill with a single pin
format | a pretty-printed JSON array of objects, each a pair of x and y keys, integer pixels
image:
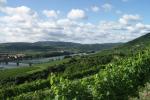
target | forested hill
[{"x": 54, "y": 46}]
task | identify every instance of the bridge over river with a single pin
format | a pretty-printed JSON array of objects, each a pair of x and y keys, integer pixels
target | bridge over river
[
  {"x": 6, "y": 64},
  {"x": 28, "y": 62}
]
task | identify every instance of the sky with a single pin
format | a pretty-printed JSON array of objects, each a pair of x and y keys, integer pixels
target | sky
[{"x": 81, "y": 21}]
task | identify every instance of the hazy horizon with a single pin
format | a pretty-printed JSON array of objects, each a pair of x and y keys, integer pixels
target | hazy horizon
[{"x": 63, "y": 41}]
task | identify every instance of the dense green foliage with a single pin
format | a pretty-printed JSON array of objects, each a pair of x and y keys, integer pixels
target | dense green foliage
[
  {"x": 117, "y": 81},
  {"x": 115, "y": 74}
]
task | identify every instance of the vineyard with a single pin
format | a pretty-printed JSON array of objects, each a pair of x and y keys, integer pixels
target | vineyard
[
  {"x": 107, "y": 75},
  {"x": 117, "y": 81}
]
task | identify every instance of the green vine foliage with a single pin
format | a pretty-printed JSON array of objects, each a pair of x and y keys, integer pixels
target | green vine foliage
[{"x": 117, "y": 81}]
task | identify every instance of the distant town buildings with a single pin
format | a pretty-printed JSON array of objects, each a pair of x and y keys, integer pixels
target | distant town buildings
[{"x": 4, "y": 56}]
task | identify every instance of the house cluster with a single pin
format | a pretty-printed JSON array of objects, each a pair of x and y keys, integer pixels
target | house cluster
[{"x": 10, "y": 56}]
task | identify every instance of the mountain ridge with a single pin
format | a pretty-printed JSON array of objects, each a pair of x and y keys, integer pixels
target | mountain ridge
[{"x": 54, "y": 46}]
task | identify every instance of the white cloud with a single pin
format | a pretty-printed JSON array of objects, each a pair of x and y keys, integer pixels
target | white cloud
[
  {"x": 18, "y": 24},
  {"x": 128, "y": 18},
  {"x": 51, "y": 13},
  {"x": 107, "y": 7},
  {"x": 76, "y": 14},
  {"x": 95, "y": 8},
  {"x": 18, "y": 14},
  {"x": 22, "y": 24},
  {"x": 139, "y": 27},
  {"x": 17, "y": 10},
  {"x": 2, "y": 2},
  {"x": 68, "y": 30}
]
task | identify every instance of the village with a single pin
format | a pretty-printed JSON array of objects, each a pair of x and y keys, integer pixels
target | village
[
  {"x": 8, "y": 56},
  {"x": 5, "y": 58}
]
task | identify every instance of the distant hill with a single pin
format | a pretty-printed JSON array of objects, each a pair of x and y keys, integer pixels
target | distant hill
[{"x": 53, "y": 46}]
